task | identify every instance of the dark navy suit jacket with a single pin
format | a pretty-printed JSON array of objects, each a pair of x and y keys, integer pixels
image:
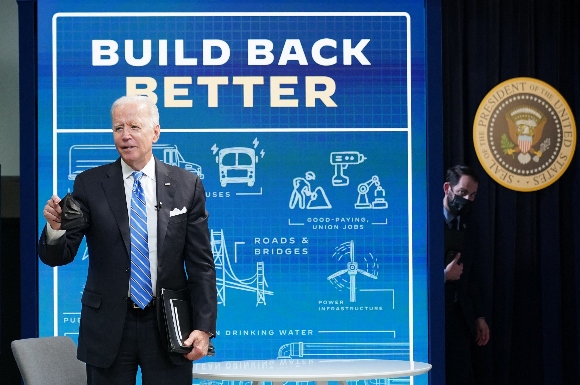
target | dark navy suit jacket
[
  {"x": 181, "y": 240},
  {"x": 465, "y": 290}
]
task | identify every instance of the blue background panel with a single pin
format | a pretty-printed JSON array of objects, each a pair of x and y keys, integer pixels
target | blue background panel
[{"x": 299, "y": 197}]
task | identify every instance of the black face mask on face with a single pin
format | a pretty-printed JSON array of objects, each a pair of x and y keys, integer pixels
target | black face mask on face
[{"x": 459, "y": 205}]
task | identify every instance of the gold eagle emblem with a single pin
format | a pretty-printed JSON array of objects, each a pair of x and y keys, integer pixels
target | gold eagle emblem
[{"x": 525, "y": 127}]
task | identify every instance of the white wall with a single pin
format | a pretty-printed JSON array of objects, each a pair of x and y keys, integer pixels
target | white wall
[{"x": 9, "y": 105}]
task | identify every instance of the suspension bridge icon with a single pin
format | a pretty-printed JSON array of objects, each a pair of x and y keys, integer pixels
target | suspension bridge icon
[
  {"x": 226, "y": 277},
  {"x": 352, "y": 270}
]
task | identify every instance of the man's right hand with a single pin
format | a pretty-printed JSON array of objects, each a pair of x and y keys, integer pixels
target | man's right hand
[
  {"x": 454, "y": 269},
  {"x": 52, "y": 212}
]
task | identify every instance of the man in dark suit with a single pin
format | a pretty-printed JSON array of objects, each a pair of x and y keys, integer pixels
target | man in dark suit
[
  {"x": 122, "y": 325},
  {"x": 464, "y": 318}
]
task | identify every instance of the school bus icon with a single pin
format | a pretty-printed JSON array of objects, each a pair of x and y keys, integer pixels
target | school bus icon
[{"x": 237, "y": 165}]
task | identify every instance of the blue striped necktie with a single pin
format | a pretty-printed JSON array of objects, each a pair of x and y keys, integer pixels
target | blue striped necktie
[{"x": 141, "y": 288}]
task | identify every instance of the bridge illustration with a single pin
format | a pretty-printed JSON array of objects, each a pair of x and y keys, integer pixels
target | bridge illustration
[{"x": 226, "y": 277}]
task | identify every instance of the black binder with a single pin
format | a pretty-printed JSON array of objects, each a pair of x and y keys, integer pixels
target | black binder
[{"x": 178, "y": 320}]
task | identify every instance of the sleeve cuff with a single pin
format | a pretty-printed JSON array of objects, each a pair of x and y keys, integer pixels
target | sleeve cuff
[{"x": 52, "y": 235}]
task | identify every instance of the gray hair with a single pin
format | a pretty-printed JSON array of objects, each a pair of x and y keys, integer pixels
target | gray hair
[{"x": 140, "y": 100}]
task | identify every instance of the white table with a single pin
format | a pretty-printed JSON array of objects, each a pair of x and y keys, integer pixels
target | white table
[{"x": 320, "y": 371}]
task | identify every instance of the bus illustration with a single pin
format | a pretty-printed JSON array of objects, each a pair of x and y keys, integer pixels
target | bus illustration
[
  {"x": 237, "y": 165},
  {"x": 85, "y": 156}
]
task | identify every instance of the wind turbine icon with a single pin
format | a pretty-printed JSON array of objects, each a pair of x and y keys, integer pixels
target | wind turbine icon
[{"x": 352, "y": 270}]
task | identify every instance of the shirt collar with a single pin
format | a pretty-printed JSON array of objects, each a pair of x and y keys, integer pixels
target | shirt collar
[{"x": 148, "y": 170}]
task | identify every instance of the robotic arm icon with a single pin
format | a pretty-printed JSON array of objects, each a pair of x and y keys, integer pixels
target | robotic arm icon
[{"x": 363, "y": 189}]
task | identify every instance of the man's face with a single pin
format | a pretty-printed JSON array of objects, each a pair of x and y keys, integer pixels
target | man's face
[
  {"x": 466, "y": 188},
  {"x": 133, "y": 134}
]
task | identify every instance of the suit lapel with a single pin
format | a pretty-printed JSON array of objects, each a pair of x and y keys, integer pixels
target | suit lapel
[
  {"x": 165, "y": 193},
  {"x": 114, "y": 188}
]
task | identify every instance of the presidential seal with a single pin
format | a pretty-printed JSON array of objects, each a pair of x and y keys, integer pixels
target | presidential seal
[{"x": 524, "y": 134}]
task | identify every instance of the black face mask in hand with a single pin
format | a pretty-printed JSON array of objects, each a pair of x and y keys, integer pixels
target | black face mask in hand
[
  {"x": 459, "y": 205},
  {"x": 72, "y": 215}
]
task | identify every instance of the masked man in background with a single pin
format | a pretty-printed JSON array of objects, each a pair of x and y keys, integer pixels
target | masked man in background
[{"x": 464, "y": 318}]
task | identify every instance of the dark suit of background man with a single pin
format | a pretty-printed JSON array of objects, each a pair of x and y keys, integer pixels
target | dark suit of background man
[
  {"x": 116, "y": 336},
  {"x": 464, "y": 320}
]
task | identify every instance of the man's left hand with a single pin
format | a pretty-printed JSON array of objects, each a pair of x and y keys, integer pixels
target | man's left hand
[
  {"x": 200, "y": 341},
  {"x": 482, "y": 337}
]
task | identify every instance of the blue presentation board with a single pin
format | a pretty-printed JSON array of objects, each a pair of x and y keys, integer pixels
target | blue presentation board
[{"x": 308, "y": 132}]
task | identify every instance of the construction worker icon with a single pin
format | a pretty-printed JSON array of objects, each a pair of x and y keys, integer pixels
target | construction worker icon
[{"x": 305, "y": 197}]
